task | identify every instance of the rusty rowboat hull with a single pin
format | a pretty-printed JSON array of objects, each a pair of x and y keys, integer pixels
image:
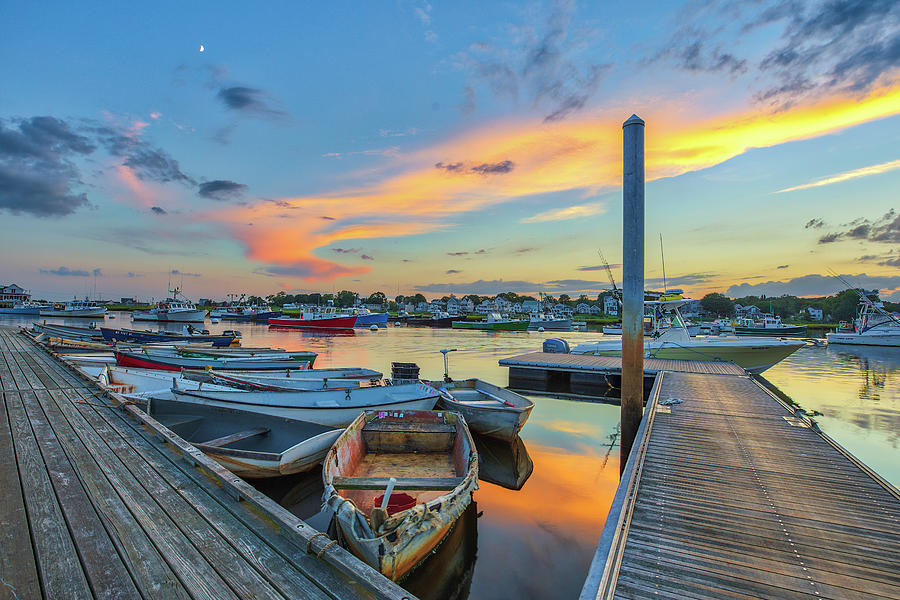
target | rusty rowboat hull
[{"x": 407, "y": 537}]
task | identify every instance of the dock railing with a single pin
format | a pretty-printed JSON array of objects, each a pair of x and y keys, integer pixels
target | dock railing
[{"x": 601, "y": 578}]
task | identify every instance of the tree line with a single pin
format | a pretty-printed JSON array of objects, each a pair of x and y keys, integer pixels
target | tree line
[{"x": 840, "y": 307}]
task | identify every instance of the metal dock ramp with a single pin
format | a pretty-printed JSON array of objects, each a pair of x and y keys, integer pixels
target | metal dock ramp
[
  {"x": 730, "y": 494},
  {"x": 97, "y": 500}
]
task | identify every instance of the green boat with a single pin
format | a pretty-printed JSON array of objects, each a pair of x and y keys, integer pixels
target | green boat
[
  {"x": 494, "y": 322},
  {"x": 769, "y": 326}
]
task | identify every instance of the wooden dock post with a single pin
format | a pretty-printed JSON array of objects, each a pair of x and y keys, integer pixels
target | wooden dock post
[{"x": 632, "y": 283}]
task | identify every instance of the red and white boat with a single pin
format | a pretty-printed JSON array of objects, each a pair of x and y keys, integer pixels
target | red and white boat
[
  {"x": 172, "y": 310},
  {"x": 316, "y": 319}
]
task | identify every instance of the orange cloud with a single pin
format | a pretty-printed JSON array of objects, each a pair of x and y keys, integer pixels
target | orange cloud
[{"x": 513, "y": 159}]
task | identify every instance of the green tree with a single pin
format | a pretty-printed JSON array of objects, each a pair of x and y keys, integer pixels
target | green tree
[
  {"x": 345, "y": 298},
  {"x": 377, "y": 298},
  {"x": 717, "y": 304}
]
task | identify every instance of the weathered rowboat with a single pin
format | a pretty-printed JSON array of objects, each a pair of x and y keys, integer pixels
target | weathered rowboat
[
  {"x": 70, "y": 332},
  {"x": 146, "y": 336},
  {"x": 249, "y": 444},
  {"x": 335, "y": 408},
  {"x": 124, "y": 380},
  {"x": 176, "y": 363},
  {"x": 270, "y": 384},
  {"x": 278, "y": 378},
  {"x": 488, "y": 409},
  {"x": 395, "y": 482}
]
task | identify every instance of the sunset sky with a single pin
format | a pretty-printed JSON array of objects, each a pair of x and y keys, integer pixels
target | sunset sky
[{"x": 464, "y": 147}]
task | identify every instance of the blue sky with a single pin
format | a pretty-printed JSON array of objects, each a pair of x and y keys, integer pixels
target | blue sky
[{"x": 463, "y": 147}]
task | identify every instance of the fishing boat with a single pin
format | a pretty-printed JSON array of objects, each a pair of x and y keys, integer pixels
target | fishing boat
[
  {"x": 248, "y": 444},
  {"x": 440, "y": 320},
  {"x": 335, "y": 407},
  {"x": 396, "y": 482},
  {"x": 26, "y": 308},
  {"x": 549, "y": 322},
  {"x": 488, "y": 409},
  {"x": 172, "y": 310},
  {"x": 754, "y": 354},
  {"x": 82, "y": 309},
  {"x": 612, "y": 329},
  {"x": 873, "y": 326},
  {"x": 147, "y": 336},
  {"x": 367, "y": 318},
  {"x": 176, "y": 363},
  {"x": 503, "y": 462},
  {"x": 326, "y": 318},
  {"x": 494, "y": 322},
  {"x": 768, "y": 325}
]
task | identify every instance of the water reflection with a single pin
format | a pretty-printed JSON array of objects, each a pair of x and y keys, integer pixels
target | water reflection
[
  {"x": 447, "y": 573},
  {"x": 857, "y": 391},
  {"x": 503, "y": 463}
]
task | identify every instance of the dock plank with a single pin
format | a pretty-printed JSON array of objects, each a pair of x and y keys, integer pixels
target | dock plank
[{"x": 733, "y": 496}]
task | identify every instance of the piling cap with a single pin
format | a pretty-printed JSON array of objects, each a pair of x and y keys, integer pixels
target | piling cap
[{"x": 633, "y": 120}]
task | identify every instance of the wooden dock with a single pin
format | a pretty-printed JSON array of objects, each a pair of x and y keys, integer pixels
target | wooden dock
[
  {"x": 97, "y": 500},
  {"x": 730, "y": 494}
]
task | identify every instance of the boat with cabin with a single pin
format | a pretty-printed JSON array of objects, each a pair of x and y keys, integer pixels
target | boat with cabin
[
  {"x": 873, "y": 326},
  {"x": 26, "y": 308},
  {"x": 768, "y": 325},
  {"x": 315, "y": 318},
  {"x": 172, "y": 310},
  {"x": 439, "y": 320},
  {"x": 396, "y": 482},
  {"x": 549, "y": 322},
  {"x": 82, "y": 309},
  {"x": 754, "y": 354},
  {"x": 494, "y": 322}
]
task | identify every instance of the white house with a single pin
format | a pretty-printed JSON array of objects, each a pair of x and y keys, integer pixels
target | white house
[
  {"x": 583, "y": 308},
  {"x": 610, "y": 305},
  {"x": 435, "y": 306},
  {"x": 531, "y": 306},
  {"x": 596, "y": 309},
  {"x": 562, "y": 309},
  {"x": 422, "y": 307},
  {"x": 814, "y": 313},
  {"x": 502, "y": 304},
  {"x": 453, "y": 305},
  {"x": 12, "y": 294},
  {"x": 485, "y": 307}
]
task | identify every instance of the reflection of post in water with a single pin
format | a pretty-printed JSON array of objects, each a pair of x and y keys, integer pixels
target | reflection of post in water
[
  {"x": 503, "y": 463},
  {"x": 447, "y": 573}
]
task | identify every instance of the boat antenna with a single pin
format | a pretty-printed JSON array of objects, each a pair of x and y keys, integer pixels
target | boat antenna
[{"x": 663, "y": 256}]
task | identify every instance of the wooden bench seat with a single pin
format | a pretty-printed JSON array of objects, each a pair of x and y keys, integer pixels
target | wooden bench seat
[
  {"x": 403, "y": 483},
  {"x": 236, "y": 437}
]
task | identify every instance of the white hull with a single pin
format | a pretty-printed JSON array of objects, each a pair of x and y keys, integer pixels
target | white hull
[
  {"x": 319, "y": 406},
  {"x": 98, "y": 312},
  {"x": 864, "y": 339}
]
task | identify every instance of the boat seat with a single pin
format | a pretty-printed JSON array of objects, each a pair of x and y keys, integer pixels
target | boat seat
[
  {"x": 174, "y": 423},
  {"x": 402, "y": 483},
  {"x": 236, "y": 437}
]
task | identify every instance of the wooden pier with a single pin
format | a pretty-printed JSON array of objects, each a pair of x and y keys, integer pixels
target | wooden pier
[
  {"x": 97, "y": 500},
  {"x": 731, "y": 494}
]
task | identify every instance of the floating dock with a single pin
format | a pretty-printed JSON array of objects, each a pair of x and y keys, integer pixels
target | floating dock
[
  {"x": 731, "y": 494},
  {"x": 98, "y": 500},
  {"x": 585, "y": 375}
]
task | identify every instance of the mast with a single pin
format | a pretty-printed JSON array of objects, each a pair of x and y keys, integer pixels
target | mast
[{"x": 663, "y": 256}]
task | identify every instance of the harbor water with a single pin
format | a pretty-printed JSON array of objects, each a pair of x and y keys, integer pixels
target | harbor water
[{"x": 537, "y": 541}]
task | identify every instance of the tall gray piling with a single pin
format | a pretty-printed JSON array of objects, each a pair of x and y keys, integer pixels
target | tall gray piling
[{"x": 632, "y": 283}]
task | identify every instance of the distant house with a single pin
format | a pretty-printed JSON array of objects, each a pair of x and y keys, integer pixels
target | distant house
[
  {"x": 561, "y": 309},
  {"x": 502, "y": 304},
  {"x": 435, "y": 306},
  {"x": 466, "y": 306},
  {"x": 485, "y": 307},
  {"x": 13, "y": 294},
  {"x": 583, "y": 308},
  {"x": 746, "y": 311},
  {"x": 814, "y": 313},
  {"x": 691, "y": 308},
  {"x": 596, "y": 309},
  {"x": 530, "y": 306},
  {"x": 453, "y": 305},
  {"x": 422, "y": 307},
  {"x": 610, "y": 305}
]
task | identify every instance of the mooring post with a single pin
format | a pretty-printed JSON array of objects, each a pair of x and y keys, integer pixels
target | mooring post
[{"x": 632, "y": 283}]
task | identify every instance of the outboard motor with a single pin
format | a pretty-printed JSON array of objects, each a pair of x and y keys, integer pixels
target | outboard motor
[{"x": 556, "y": 346}]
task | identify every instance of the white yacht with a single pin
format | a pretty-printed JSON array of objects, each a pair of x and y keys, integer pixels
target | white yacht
[
  {"x": 674, "y": 342},
  {"x": 873, "y": 326}
]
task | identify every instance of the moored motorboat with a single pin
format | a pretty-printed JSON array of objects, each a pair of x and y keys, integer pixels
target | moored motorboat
[
  {"x": 367, "y": 318},
  {"x": 396, "y": 482},
  {"x": 488, "y": 409},
  {"x": 333, "y": 407},
  {"x": 549, "y": 322},
  {"x": 26, "y": 308},
  {"x": 83, "y": 309},
  {"x": 315, "y": 319},
  {"x": 873, "y": 326},
  {"x": 437, "y": 320},
  {"x": 768, "y": 325},
  {"x": 176, "y": 363},
  {"x": 249, "y": 444},
  {"x": 494, "y": 322}
]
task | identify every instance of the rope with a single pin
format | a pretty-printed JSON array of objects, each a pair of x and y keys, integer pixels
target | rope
[
  {"x": 310, "y": 541},
  {"x": 325, "y": 548}
]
